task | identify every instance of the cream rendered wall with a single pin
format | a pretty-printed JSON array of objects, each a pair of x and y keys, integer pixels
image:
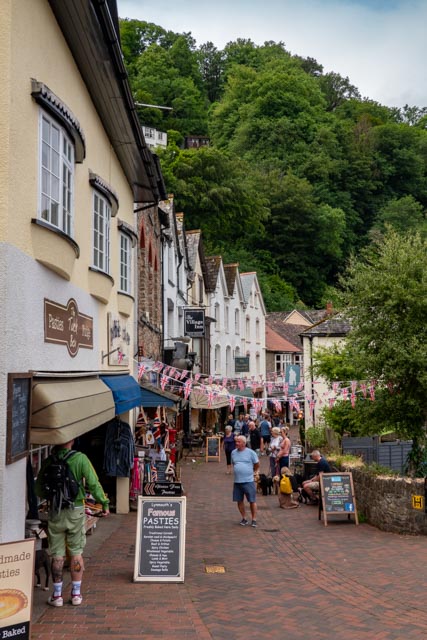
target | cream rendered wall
[
  {"x": 32, "y": 46},
  {"x": 40, "y": 52},
  {"x": 316, "y": 385}
]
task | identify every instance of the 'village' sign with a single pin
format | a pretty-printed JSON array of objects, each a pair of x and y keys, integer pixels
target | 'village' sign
[{"x": 66, "y": 325}]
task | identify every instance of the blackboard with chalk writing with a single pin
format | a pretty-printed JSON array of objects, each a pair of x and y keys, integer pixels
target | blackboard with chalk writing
[
  {"x": 337, "y": 495},
  {"x": 213, "y": 448},
  {"x": 160, "y": 540},
  {"x": 18, "y": 416}
]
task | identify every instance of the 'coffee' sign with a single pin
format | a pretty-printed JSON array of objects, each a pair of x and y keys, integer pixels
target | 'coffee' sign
[{"x": 66, "y": 325}]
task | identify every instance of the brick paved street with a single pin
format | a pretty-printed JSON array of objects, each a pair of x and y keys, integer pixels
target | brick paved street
[{"x": 291, "y": 578}]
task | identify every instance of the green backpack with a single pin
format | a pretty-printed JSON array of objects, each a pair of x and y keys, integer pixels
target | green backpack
[{"x": 285, "y": 485}]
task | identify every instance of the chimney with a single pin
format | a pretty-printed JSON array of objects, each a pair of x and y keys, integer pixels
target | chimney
[{"x": 329, "y": 308}]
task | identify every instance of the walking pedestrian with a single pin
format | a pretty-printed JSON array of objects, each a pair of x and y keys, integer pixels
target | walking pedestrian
[
  {"x": 245, "y": 462},
  {"x": 265, "y": 431},
  {"x": 254, "y": 437},
  {"x": 66, "y": 528},
  {"x": 229, "y": 446},
  {"x": 285, "y": 449},
  {"x": 275, "y": 445}
]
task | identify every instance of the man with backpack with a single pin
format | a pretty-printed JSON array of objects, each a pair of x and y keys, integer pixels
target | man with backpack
[{"x": 63, "y": 480}]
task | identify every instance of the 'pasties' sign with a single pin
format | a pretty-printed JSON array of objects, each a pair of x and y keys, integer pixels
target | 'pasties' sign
[{"x": 66, "y": 325}]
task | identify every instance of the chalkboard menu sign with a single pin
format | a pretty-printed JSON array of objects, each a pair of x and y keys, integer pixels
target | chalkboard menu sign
[
  {"x": 213, "y": 448},
  {"x": 337, "y": 495},
  {"x": 18, "y": 416},
  {"x": 160, "y": 540}
]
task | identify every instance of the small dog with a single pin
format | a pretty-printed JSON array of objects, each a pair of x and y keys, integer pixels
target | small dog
[
  {"x": 265, "y": 484},
  {"x": 42, "y": 560},
  {"x": 276, "y": 485}
]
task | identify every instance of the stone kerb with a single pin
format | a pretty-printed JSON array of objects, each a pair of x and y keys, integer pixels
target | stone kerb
[{"x": 386, "y": 502}]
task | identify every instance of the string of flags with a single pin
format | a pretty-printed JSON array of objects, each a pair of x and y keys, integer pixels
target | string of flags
[{"x": 214, "y": 387}]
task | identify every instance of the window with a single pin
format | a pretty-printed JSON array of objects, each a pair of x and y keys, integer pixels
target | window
[
  {"x": 257, "y": 334},
  {"x": 226, "y": 318},
  {"x": 217, "y": 317},
  {"x": 57, "y": 175},
  {"x": 217, "y": 360},
  {"x": 282, "y": 361},
  {"x": 200, "y": 290},
  {"x": 248, "y": 329},
  {"x": 101, "y": 233},
  {"x": 228, "y": 362},
  {"x": 125, "y": 263},
  {"x": 237, "y": 322}
]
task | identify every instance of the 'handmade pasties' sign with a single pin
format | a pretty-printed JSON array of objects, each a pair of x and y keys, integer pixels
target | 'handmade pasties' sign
[{"x": 66, "y": 325}]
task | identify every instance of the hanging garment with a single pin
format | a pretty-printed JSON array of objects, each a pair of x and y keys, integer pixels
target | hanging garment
[{"x": 119, "y": 449}]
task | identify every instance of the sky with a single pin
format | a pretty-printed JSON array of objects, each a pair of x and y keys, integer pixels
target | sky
[{"x": 380, "y": 45}]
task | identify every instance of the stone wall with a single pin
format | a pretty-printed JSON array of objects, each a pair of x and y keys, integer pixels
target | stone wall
[{"x": 386, "y": 502}]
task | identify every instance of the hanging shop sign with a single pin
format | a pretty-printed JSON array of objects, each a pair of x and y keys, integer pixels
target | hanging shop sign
[
  {"x": 16, "y": 592},
  {"x": 194, "y": 323},
  {"x": 66, "y": 325},
  {"x": 241, "y": 364},
  {"x": 160, "y": 540}
]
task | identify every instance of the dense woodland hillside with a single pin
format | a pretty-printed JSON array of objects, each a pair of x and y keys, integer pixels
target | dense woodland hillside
[{"x": 301, "y": 172}]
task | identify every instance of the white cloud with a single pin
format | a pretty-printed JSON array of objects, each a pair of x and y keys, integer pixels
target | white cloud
[{"x": 381, "y": 46}]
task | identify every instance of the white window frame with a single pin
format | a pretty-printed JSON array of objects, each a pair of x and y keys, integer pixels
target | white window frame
[
  {"x": 226, "y": 318},
  {"x": 282, "y": 361},
  {"x": 217, "y": 317},
  {"x": 125, "y": 263},
  {"x": 217, "y": 358},
  {"x": 56, "y": 175},
  {"x": 237, "y": 322},
  {"x": 101, "y": 221}
]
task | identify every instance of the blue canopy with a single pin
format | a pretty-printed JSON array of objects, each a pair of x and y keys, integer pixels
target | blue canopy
[{"x": 126, "y": 392}]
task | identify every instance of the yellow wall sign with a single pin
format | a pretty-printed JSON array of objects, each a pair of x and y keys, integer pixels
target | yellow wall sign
[
  {"x": 16, "y": 588},
  {"x": 418, "y": 502}
]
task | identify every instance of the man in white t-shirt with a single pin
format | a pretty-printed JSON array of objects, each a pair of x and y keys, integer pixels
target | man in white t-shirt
[{"x": 245, "y": 462}]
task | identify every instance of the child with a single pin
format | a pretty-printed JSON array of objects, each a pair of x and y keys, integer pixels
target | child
[{"x": 285, "y": 490}]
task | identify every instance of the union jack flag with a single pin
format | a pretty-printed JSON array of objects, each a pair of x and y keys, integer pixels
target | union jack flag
[
  {"x": 163, "y": 382},
  {"x": 141, "y": 370},
  {"x": 187, "y": 388},
  {"x": 232, "y": 402},
  {"x": 197, "y": 377},
  {"x": 120, "y": 356}
]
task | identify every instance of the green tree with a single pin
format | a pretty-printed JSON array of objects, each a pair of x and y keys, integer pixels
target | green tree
[
  {"x": 385, "y": 292},
  {"x": 403, "y": 214}
]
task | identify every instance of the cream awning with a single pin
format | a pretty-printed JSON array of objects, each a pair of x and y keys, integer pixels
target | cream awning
[
  {"x": 63, "y": 409},
  {"x": 199, "y": 397}
]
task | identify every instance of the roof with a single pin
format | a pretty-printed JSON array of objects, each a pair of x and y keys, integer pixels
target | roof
[
  {"x": 275, "y": 342},
  {"x": 289, "y": 332},
  {"x": 193, "y": 240},
  {"x": 90, "y": 30},
  {"x": 247, "y": 280},
  {"x": 336, "y": 326},
  {"x": 231, "y": 271},
  {"x": 213, "y": 264}
]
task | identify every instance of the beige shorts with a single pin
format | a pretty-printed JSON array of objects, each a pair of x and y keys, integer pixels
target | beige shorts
[
  {"x": 313, "y": 485},
  {"x": 66, "y": 532}
]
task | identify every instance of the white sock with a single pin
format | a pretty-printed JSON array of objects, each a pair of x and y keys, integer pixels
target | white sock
[
  {"x": 75, "y": 588},
  {"x": 57, "y": 589}
]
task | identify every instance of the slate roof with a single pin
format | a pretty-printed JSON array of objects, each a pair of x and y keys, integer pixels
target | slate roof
[
  {"x": 275, "y": 342},
  {"x": 336, "y": 326},
  {"x": 230, "y": 271},
  {"x": 289, "y": 332},
  {"x": 247, "y": 280},
  {"x": 193, "y": 239},
  {"x": 213, "y": 264}
]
